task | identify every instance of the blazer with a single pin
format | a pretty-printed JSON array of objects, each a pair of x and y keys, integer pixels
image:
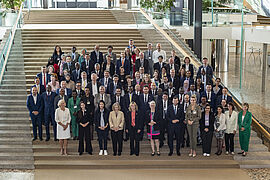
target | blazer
[
  {"x": 57, "y": 99},
  {"x": 73, "y": 107},
  {"x": 222, "y": 122},
  {"x": 176, "y": 67},
  {"x": 48, "y": 78},
  {"x": 70, "y": 68},
  {"x": 157, "y": 119},
  {"x": 88, "y": 69},
  {"x": 212, "y": 101},
  {"x": 211, "y": 122},
  {"x": 75, "y": 57},
  {"x": 111, "y": 88},
  {"x": 157, "y": 66},
  {"x": 190, "y": 68},
  {"x": 84, "y": 118},
  {"x": 69, "y": 92},
  {"x": 113, "y": 100},
  {"x": 194, "y": 116},
  {"x": 172, "y": 116},
  {"x": 231, "y": 122},
  {"x": 97, "y": 118},
  {"x": 112, "y": 68},
  {"x": 161, "y": 109},
  {"x": 138, "y": 121},
  {"x": 177, "y": 61},
  {"x": 145, "y": 65},
  {"x": 126, "y": 66},
  {"x": 76, "y": 76},
  {"x": 145, "y": 106},
  {"x": 107, "y": 99},
  {"x": 93, "y": 57},
  {"x": 117, "y": 121},
  {"x": 190, "y": 79},
  {"x": 209, "y": 71},
  {"x": 197, "y": 95},
  {"x": 34, "y": 107},
  {"x": 89, "y": 85},
  {"x": 42, "y": 89},
  {"x": 113, "y": 56},
  {"x": 228, "y": 99},
  {"x": 48, "y": 102},
  {"x": 246, "y": 123},
  {"x": 126, "y": 99},
  {"x": 176, "y": 82},
  {"x": 89, "y": 104}
]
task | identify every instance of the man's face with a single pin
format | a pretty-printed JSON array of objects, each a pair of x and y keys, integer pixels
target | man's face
[
  {"x": 77, "y": 66},
  {"x": 44, "y": 70},
  {"x": 37, "y": 81},
  {"x": 97, "y": 48},
  {"x": 115, "y": 79},
  {"x": 78, "y": 86},
  {"x": 224, "y": 91},
  {"x": 186, "y": 98},
  {"x": 192, "y": 87},
  {"x": 102, "y": 90},
  {"x": 175, "y": 101},
  {"x": 165, "y": 97},
  {"x": 62, "y": 92},
  {"x": 68, "y": 59},
  {"x": 203, "y": 100},
  {"x": 63, "y": 84},
  {"x": 84, "y": 76},
  {"x": 137, "y": 87},
  {"x": 160, "y": 59},
  {"x": 149, "y": 46},
  {"x": 74, "y": 94},
  {"x": 109, "y": 50},
  {"x": 49, "y": 89},
  {"x": 74, "y": 49},
  {"x": 145, "y": 90},
  {"x": 130, "y": 90},
  {"x": 188, "y": 74},
  {"x": 172, "y": 73},
  {"x": 87, "y": 57},
  {"x": 106, "y": 74},
  {"x": 34, "y": 91},
  {"x": 118, "y": 92},
  {"x": 208, "y": 88},
  {"x": 141, "y": 55},
  {"x": 87, "y": 91}
]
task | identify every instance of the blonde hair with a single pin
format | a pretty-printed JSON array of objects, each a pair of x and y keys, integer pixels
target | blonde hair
[
  {"x": 116, "y": 104},
  {"x": 194, "y": 97},
  {"x": 62, "y": 101},
  {"x": 152, "y": 102},
  {"x": 133, "y": 103}
]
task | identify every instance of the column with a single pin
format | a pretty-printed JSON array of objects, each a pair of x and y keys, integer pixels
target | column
[
  {"x": 264, "y": 75},
  {"x": 197, "y": 43},
  {"x": 222, "y": 55}
]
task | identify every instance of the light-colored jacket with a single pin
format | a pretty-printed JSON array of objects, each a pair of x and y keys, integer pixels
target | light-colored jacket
[
  {"x": 231, "y": 122},
  {"x": 62, "y": 116},
  {"x": 195, "y": 115},
  {"x": 118, "y": 121},
  {"x": 222, "y": 122}
]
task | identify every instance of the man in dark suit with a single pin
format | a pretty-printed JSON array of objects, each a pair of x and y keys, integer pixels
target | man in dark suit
[
  {"x": 162, "y": 106},
  {"x": 40, "y": 88},
  {"x": 96, "y": 55},
  {"x": 69, "y": 65},
  {"x": 185, "y": 135},
  {"x": 175, "y": 58},
  {"x": 129, "y": 97},
  {"x": 80, "y": 92},
  {"x": 76, "y": 73},
  {"x": 114, "y": 84},
  {"x": 106, "y": 80},
  {"x": 210, "y": 97},
  {"x": 49, "y": 115},
  {"x": 67, "y": 90},
  {"x": 171, "y": 65},
  {"x": 175, "y": 116},
  {"x": 189, "y": 78},
  {"x": 112, "y": 54},
  {"x": 87, "y": 65},
  {"x": 224, "y": 96},
  {"x": 165, "y": 85},
  {"x": 148, "y": 54},
  {"x": 159, "y": 65},
  {"x": 44, "y": 77},
  {"x": 74, "y": 55},
  {"x": 60, "y": 96},
  {"x": 35, "y": 106},
  {"x": 123, "y": 62},
  {"x": 174, "y": 79},
  {"x": 142, "y": 62},
  {"x": 207, "y": 68},
  {"x": 188, "y": 67},
  {"x": 118, "y": 98}
]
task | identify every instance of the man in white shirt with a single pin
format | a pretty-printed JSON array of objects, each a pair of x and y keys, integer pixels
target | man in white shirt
[
  {"x": 158, "y": 52},
  {"x": 84, "y": 80}
]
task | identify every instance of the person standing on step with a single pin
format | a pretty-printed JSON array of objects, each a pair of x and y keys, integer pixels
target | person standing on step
[
  {"x": 101, "y": 120},
  {"x": 84, "y": 120},
  {"x": 49, "y": 112},
  {"x": 62, "y": 118},
  {"x": 244, "y": 123},
  {"x": 74, "y": 107},
  {"x": 35, "y": 105},
  {"x": 220, "y": 128},
  {"x": 117, "y": 121}
]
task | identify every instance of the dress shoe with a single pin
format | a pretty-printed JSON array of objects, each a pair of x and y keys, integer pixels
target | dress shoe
[
  {"x": 34, "y": 139},
  {"x": 240, "y": 153},
  {"x": 47, "y": 139},
  {"x": 188, "y": 145},
  {"x": 90, "y": 153},
  {"x": 119, "y": 154},
  {"x": 125, "y": 139},
  {"x": 108, "y": 138},
  {"x": 152, "y": 154},
  {"x": 55, "y": 139},
  {"x": 74, "y": 138},
  {"x": 137, "y": 154},
  {"x": 105, "y": 152},
  {"x": 131, "y": 153},
  {"x": 178, "y": 153},
  {"x": 114, "y": 154},
  {"x": 170, "y": 154},
  {"x": 80, "y": 153},
  {"x": 41, "y": 139},
  {"x": 183, "y": 145},
  {"x": 158, "y": 153}
]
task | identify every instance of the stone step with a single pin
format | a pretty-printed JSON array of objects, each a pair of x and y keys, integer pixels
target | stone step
[
  {"x": 17, "y": 127},
  {"x": 17, "y": 164},
  {"x": 14, "y": 114},
  {"x": 13, "y": 102},
  {"x": 18, "y": 82},
  {"x": 13, "y": 86},
  {"x": 253, "y": 156},
  {"x": 251, "y": 164},
  {"x": 12, "y": 97},
  {"x": 12, "y": 91}
]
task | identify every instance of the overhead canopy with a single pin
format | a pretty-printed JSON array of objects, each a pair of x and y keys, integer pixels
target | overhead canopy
[{"x": 262, "y": 7}]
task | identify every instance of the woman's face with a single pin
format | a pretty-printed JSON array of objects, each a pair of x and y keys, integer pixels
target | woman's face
[
  {"x": 207, "y": 109},
  {"x": 182, "y": 72},
  {"x": 116, "y": 108},
  {"x": 132, "y": 107},
  {"x": 63, "y": 105},
  {"x": 192, "y": 101},
  {"x": 57, "y": 49},
  {"x": 101, "y": 105},
  {"x": 146, "y": 78},
  {"x": 219, "y": 110},
  {"x": 163, "y": 70},
  {"x": 82, "y": 106},
  {"x": 230, "y": 108},
  {"x": 245, "y": 108},
  {"x": 67, "y": 78},
  {"x": 155, "y": 74},
  {"x": 152, "y": 105},
  {"x": 50, "y": 70},
  {"x": 83, "y": 52}
]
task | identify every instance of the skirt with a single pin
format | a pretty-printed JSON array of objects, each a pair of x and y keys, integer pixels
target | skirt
[
  {"x": 220, "y": 134},
  {"x": 153, "y": 134},
  {"x": 61, "y": 134}
]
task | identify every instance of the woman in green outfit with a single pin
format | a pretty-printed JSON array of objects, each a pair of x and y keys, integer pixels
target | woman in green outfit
[
  {"x": 74, "y": 107},
  {"x": 244, "y": 124},
  {"x": 82, "y": 57}
]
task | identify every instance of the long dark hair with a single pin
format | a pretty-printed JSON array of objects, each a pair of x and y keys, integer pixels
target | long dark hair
[{"x": 55, "y": 52}]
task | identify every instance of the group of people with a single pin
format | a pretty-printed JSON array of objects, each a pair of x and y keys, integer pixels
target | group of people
[{"x": 139, "y": 95}]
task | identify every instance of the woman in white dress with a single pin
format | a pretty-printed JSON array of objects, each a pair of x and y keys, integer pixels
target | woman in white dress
[{"x": 62, "y": 118}]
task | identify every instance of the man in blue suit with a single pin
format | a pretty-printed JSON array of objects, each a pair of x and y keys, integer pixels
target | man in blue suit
[
  {"x": 207, "y": 68},
  {"x": 97, "y": 56},
  {"x": 35, "y": 105},
  {"x": 175, "y": 116},
  {"x": 67, "y": 90},
  {"x": 44, "y": 77},
  {"x": 49, "y": 116},
  {"x": 123, "y": 62},
  {"x": 210, "y": 97},
  {"x": 224, "y": 96}
]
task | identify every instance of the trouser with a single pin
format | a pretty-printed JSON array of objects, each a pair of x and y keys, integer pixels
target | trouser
[
  {"x": 91, "y": 131},
  {"x": 75, "y": 127},
  {"x": 36, "y": 121},
  {"x": 50, "y": 118},
  {"x": 244, "y": 139},
  {"x": 174, "y": 130},
  {"x": 219, "y": 145},
  {"x": 229, "y": 142},
  {"x": 102, "y": 139},
  {"x": 126, "y": 133},
  {"x": 199, "y": 138},
  {"x": 206, "y": 141},
  {"x": 134, "y": 141},
  {"x": 185, "y": 133},
  {"x": 117, "y": 141},
  {"x": 84, "y": 136},
  {"x": 192, "y": 130},
  {"x": 163, "y": 127}
]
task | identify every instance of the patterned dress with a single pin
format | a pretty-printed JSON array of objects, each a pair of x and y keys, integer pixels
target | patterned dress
[{"x": 219, "y": 134}]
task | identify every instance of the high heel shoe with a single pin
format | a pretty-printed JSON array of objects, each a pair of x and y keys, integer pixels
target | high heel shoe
[
  {"x": 153, "y": 153},
  {"x": 190, "y": 155},
  {"x": 158, "y": 153}
]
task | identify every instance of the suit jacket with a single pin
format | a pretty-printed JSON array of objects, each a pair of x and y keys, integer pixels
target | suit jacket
[
  {"x": 144, "y": 106},
  {"x": 145, "y": 65},
  {"x": 112, "y": 88},
  {"x": 176, "y": 82},
  {"x": 107, "y": 100},
  {"x": 42, "y": 89},
  {"x": 93, "y": 57},
  {"x": 191, "y": 81},
  {"x": 48, "y": 102},
  {"x": 134, "y": 98},
  {"x": 80, "y": 93},
  {"x": 177, "y": 61},
  {"x": 176, "y": 68},
  {"x": 89, "y": 104},
  {"x": 34, "y": 107},
  {"x": 57, "y": 99},
  {"x": 112, "y": 68},
  {"x": 197, "y": 95},
  {"x": 150, "y": 61},
  {"x": 220, "y": 98},
  {"x": 88, "y": 69},
  {"x": 113, "y": 100},
  {"x": 209, "y": 71},
  {"x": 97, "y": 118},
  {"x": 113, "y": 57},
  {"x": 157, "y": 66},
  {"x": 190, "y": 68},
  {"x": 69, "y": 68},
  {"x": 172, "y": 116},
  {"x": 211, "y": 122},
  {"x": 76, "y": 76},
  {"x": 138, "y": 121},
  {"x": 157, "y": 119},
  {"x": 76, "y": 56},
  {"x": 211, "y": 101},
  {"x": 102, "y": 82},
  {"x": 73, "y": 107},
  {"x": 161, "y": 109},
  {"x": 117, "y": 121},
  {"x": 48, "y": 78},
  {"x": 89, "y": 85},
  {"x": 69, "y": 92},
  {"x": 84, "y": 118},
  {"x": 126, "y": 66},
  {"x": 246, "y": 123}
]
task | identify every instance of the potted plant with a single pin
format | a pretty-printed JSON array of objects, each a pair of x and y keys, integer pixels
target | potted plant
[
  {"x": 158, "y": 8},
  {"x": 10, "y": 12}
]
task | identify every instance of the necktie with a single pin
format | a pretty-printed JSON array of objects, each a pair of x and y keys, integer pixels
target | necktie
[
  {"x": 130, "y": 98},
  {"x": 149, "y": 55},
  {"x": 37, "y": 88},
  {"x": 44, "y": 80},
  {"x": 122, "y": 62},
  {"x": 106, "y": 82},
  {"x": 208, "y": 95},
  {"x": 175, "y": 110},
  {"x": 145, "y": 98}
]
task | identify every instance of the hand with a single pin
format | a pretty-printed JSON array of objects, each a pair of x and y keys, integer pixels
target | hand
[
  {"x": 242, "y": 129},
  {"x": 127, "y": 130},
  {"x": 65, "y": 127},
  {"x": 35, "y": 113},
  {"x": 206, "y": 129},
  {"x": 190, "y": 122},
  {"x": 234, "y": 132},
  {"x": 185, "y": 122},
  {"x": 75, "y": 113},
  {"x": 138, "y": 131}
]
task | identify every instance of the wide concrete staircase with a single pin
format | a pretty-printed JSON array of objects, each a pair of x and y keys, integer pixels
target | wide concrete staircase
[{"x": 15, "y": 134}]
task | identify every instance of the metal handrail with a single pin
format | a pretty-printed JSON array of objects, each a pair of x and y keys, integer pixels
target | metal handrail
[
  {"x": 197, "y": 63},
  {"x": 11, "y": 41}
]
